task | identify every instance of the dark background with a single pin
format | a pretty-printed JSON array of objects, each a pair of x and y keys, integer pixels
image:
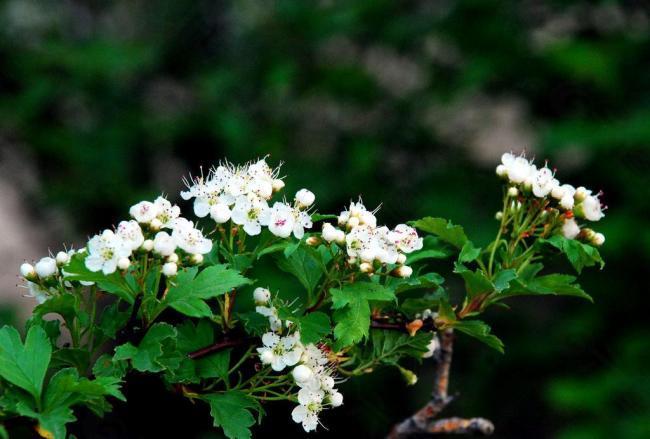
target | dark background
[{"x": 411, "y": 104}]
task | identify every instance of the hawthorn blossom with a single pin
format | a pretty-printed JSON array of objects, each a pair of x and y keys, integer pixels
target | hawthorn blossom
[
  {"x": 164, "y": 244},
  {"x": 406, "y": 238},
  {"x": 282, "y": 220},
  {"x": 190, "y": 239},
  {"x": 131, "y": 234},
  {"x": 144, "y": 212},
  {"x": 271, "y": 313},
  {"x": 284, "y": 351},
  {"x": 311, "y": 404},
  {"x": 570, "y": 228},
  {"x": 46, "y": 267},
  {"x": 166, "y": 213},
  {"x": 543, "y": 182},
  {"x": 104, "y": 251},
  {"x": 305, "y": 198},
  {"x": 252, "y": 214},
  {"x": 590, "y": 208}
]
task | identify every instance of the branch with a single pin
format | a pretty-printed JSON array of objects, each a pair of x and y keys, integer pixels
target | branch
[
  {"x": 226, "y": 343},
  {"x": 422, "y": 422}
]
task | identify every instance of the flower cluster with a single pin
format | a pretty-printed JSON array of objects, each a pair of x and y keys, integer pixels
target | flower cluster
[
  {"x": 312, "y": 371},
  {"x": 242, "y": 194},
  {"x": 526, "y": 179},
  {"x": 370, "y": 245}
]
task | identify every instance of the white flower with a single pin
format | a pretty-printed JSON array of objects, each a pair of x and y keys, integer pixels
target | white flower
[
  {"x": 62, "y": 258},
  {"x": 147, "y": 245},
  {"x": 46, "y": 267},
  {"x": 329, "y": 232},
  {"x": 277, "y": 184},
  {"x": 313, "y": 357},
  {"x": 570, "y": 228},
  {"x": 335, "y": 398},
  {"x": 27, "y": 270},
  {"x": 166, "y": 213},
  {"x": 220, "y": 212},
  {"x": 581, "y": 193},
  {"x": 286, "y": 350},
  {"x": 598, "y": 239},
  {"x": 432, "y": 347},
  {"x": 308, "y": 410},
  {"x": 169, "y": 269},
  {"x": 143, "y": 212},
  {"x": 406, "y": 238},
  {"x": 37, "y": 292},
  {"x": 272, "y": 314},
  {"x": 251, "y": 214},
  {"x": 361, "y": 243},
  {"x": 189, "y": 239},
  {"x": 305, "y": 198},
  {"x": 131, "y": 234},
  {"x": 356, "y": 215},
  {"x": 104, "y": 251},
  {"x": 502, "y": 171},
  {"x": 519, "y": 169},
  {"x": 164, "y": 244},
  {"x": 261, "y": 295},
  {"x": 302, "y": 222},
  {"x": 123, "y": 263},
  {"x": 567, "y": 200},
  {"x": 302, "y": 373},
  {"x": 590, "y": 208},
  {"x": 282, "y": 220},
  {"x": 543, "y": 182}
]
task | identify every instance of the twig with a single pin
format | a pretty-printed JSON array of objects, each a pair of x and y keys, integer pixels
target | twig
[
  {"x": 423, "y": 422},
  {"x": 215, "y": 347}
]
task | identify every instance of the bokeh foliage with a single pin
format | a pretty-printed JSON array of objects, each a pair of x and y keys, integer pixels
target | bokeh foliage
[{"x": 408, "y": 103}]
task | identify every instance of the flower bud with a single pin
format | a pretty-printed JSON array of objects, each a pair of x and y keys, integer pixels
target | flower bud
[
  {"x": 598, "y": 239},
  {"x": 410, "y": 377},
  {"x": 502, "y": 171},
  {"x": 498, "y": 216},
  {"x": 313, "y": 241},
  {"x": 147, "y": 245},
  {"x": 352, "y": 260},
  {"x": 27, "y": 271},
  {"x": 155, "y": 224},
  {"x": 366, "y": 267},
  {"x": 570, "y": 228},
  {"x": 327, "y": 383},
  {"x": 196, "y": 259},
  {"x": 336, "y": 399},
  {"x": 220, "y": 213},
  {"x": 278, "y": 185},
  {"x": 62, "y": 258},
  {"x": 170, "y": 269},
  {"x": 353, "y": 222},
  {"x": 261, "y": 296},
  {"x": 123, "y": 263},
  {"x": 401, "y": 258},
  {"x": 512, "y": 191},
  {"x": 301, "y": 373},
  {"x": 432, "y": 347},
  {"x": 402, "y": 271},
  {"x": 329, "y": 233},
  {"x": 558, "y": 192},
  {"x": 340, "y": 237},
  {"x": 266, "y": 357},
  {"x": 46, "y": 267},
  {"x": 172, "y": 258},
  {"x": 581, "y": 193},
  {"x": 305, "y": 198}
]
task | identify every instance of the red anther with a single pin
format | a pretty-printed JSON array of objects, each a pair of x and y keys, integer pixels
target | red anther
[{"x": 568, "y": 214}]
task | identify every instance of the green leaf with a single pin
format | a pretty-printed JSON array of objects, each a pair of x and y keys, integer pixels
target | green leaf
[
  {"x": 352, "y": 310},
  {"x": 114, "y": 283},
  {"x": 580, "y": 255},
  {"x": 468, "y": 253},
  {"x": 149, "y": 355},
  {"x": 306, "y": 264},
  {"x": 254, "y": 323},
  {"x": 389, "y": 346},
  {"x": 551, "y": 284},
  {"x": 77, "y": 358},
  {"x": 314, "y": 326},
  {"x": 319, "y": 217},
  {"x": 503, "y": 278},
  {"x": 67, "y": 388},
  {"x": 445, "y": 230},
  {"x": 25, "y": 365},
  {"x": 105, "y": 366},
  {"x": 66, "y": 305},
  {"x": 273, "y": 248},
  {"x": 232, "y": 412},
  {"x": 189, "y": 294},
  {"x": 476, "y": 284},
  {"x": 429, "y": 281},
  {"x": 479, "y": 330}
]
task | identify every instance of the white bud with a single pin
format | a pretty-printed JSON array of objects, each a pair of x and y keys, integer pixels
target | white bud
[
  {"x": 570, "y": 228},
  {"x": 155, "y": 224},
  {"x": 278, "y": 185},
  {"x": 401, "y": 258},
  {"x": 62, "y": 258},
  {"x": 312, "y": 241},
  {"x": 305, "y": 197},
  {"x": 220, "y": 213},
  {"x": 196, "y": 259},
  {"x": 581, "y": 193},
  {"x": 261, "y": 295},
  {"x": 353, "y": 222},
  {"x": 329, "y": 232},
  {"x": 403, "y": 271},
  {"x": 123, "y": 263},
  {"x": 557, "y": 192},
  {"x": 498, "y": 216},
  {"x": 46, "y": 267},
  {"x": 352, "y": 260},
  {"x": 147, "y": 245},
  {"x": 301, "y": 373},
  {"x": 366, "y": 267},
  {"x": 27, "y": 271},
  {"x": 172, "y": 258},
  {"x": 512, "y": 191},
  {"x": 170, "y": 269},
  {"x": 336, "y": 399},
  {"x": 502, "y": 171},
  {"x": 598, "y": 239},
  {"x": 340, "y": 237},
  {"x": 327, "y": 383},
  {"x": 266, "y": 357}
]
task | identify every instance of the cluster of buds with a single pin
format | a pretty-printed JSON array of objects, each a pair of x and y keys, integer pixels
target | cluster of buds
[{"x": 563, "y": 202}]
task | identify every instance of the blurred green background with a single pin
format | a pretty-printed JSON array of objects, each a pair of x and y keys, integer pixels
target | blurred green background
[{"x": 411, "y": 103}]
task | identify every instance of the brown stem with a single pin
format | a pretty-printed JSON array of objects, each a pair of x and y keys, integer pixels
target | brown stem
[
  {"x": 422, "y": 421},
  {"x": 215, "y": 347}
]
